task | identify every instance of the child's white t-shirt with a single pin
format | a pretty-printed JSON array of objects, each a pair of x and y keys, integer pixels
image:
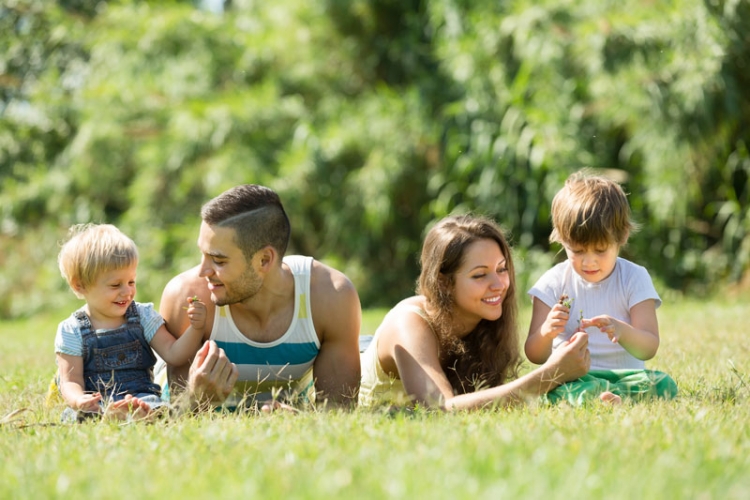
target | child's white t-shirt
[{"x": 628, "y": 285}]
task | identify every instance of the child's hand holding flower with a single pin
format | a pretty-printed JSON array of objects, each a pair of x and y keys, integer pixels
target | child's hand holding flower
[
  {"x": 557, "y": 318},
  {"x": 606, "y": 324},
  {"x": 196, "y": 311}
]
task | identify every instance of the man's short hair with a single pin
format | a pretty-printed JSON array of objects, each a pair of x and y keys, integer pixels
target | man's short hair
[{"x": 255, "y": 213}]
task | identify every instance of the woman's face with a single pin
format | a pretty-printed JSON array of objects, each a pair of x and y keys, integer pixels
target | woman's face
[{"x": 481, "y": 283}]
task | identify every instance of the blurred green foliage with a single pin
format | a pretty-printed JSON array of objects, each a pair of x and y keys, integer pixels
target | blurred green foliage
[{"x": 372, "y": 119}]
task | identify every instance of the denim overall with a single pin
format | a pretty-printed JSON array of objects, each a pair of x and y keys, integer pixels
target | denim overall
[{"x": 118, "y": 362}]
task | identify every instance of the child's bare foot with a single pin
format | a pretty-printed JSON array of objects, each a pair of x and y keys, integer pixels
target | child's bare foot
[
  {"x": 610, "y": 398},
  {"x": 126, "y": 408},
  {"x": 153, "y": 415}
]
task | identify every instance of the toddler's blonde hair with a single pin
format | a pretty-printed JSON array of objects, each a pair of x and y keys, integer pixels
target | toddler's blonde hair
[{"x": 92, "y": 249}]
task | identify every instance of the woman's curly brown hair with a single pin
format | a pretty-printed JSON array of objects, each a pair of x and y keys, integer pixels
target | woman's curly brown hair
[{"x": 489, "y": 355}]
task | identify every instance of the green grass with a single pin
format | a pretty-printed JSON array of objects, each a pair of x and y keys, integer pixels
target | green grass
[{"x": 697, "y": 446}]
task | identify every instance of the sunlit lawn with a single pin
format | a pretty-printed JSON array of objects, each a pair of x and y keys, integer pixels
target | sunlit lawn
[{"x": 695, "y": 447}]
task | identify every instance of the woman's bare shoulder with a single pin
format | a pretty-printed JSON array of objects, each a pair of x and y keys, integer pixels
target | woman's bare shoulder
[{"x": 407, "y": 320}]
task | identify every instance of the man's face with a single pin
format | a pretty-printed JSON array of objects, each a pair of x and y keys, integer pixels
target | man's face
[{"x": 231, "y": 278}]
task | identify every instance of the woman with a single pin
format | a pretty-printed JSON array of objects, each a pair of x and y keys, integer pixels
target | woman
[{"x": 455, "y": 344}]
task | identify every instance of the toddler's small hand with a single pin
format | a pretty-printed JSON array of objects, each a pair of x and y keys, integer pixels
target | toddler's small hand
[
  {"x": 556, "y": 320},
  {"x": 196, "y": 312},
  {"x": 605, "y": 324},
  {"x": 89, "y": 402}
]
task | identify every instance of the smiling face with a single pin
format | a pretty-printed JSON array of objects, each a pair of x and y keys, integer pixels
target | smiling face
[
  {"x": 593, "y": 263},
  {"x": 230, "y": 276},
  {"x": 109, "y": 296},
  {"x": 481, "y": 282}
]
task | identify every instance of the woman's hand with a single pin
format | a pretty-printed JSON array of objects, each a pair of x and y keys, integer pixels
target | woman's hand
[{"x": 572, "y": 359}]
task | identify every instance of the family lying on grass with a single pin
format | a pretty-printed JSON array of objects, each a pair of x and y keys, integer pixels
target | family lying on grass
[{"x": 267, "y": 331}]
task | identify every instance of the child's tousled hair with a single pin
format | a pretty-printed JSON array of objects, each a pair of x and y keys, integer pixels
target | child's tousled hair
[
  {"x": 591, "y": 210},
  {"x": 92, "y": 249}
]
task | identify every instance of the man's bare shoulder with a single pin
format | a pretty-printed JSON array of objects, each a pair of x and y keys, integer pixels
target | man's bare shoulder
[
  {"x": 326, "y": 280},
  {"x": 334, "y": 301},
  {"x": 186, "y": 284},
  {"x": 187, "y": 279}
]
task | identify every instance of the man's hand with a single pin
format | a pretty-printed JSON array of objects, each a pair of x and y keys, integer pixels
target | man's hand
[{"x": 212, "y": 375}]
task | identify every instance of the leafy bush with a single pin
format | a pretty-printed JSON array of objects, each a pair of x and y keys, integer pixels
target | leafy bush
[{"x": 372, "y": 119}]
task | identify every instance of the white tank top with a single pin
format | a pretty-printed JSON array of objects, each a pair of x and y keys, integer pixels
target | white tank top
[
  {"x": 377, "y": 387},
  {"x": 282, "y": 368}
]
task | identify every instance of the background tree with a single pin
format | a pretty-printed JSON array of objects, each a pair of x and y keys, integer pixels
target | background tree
[{"x": 372, "y": 119}]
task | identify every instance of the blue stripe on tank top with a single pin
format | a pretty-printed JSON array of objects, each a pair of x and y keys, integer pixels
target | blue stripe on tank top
[{"x": 282, "y": 354}]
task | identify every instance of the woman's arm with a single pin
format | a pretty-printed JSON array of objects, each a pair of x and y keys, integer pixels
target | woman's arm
[
  {"x": 568, "y": 362},
  {"x": 410, "y": 350}
]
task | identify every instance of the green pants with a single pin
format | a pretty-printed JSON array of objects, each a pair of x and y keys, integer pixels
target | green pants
[{"x": 628, "y": 384}]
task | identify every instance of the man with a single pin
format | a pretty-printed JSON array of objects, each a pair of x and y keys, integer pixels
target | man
[{"x": 275, "y": 325}]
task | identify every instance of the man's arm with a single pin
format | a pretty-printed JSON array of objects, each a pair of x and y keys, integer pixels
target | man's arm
[{"x": 337, "y": 315}]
